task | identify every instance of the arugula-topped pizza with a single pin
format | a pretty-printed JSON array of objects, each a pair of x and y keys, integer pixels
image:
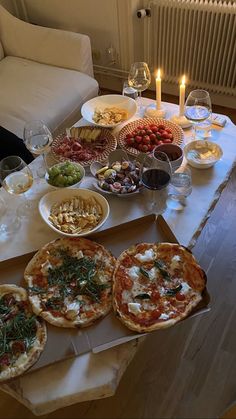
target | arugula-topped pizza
[
  {"x": 70, "y": 282},
  {"x": 156, "y": 285},
  {"x": 22, "y": 334}
]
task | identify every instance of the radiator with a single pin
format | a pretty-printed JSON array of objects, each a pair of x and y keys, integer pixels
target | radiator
[{"x": 196, "y": 38}]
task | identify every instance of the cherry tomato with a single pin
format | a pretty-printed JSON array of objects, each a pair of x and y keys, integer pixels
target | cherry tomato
[
  {"x": 130, "y": 141},
  {"x": 129, "y": 135},
  {"x": 144, "y": 148},
  {"x": 180, "y": 297},
  {"x": 153, "y": 137},
  {"x": 160, "y": 126},
  {"x": 138, "y": 139},
  {"x": 149, "y": 131},
  {"x": 167, "y": 141}
]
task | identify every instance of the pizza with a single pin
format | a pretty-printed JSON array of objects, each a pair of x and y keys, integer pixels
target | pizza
[
  {"x": 156, "y": 285},
  {"x": 70, "y": 282},
  {"x": 22, "y": 334}
]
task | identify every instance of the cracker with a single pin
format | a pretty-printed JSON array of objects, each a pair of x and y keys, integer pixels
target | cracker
[{"x": 76, "y": 215}]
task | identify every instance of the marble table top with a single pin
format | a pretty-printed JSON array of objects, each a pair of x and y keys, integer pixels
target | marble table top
[{"x": 91, "y": 376}]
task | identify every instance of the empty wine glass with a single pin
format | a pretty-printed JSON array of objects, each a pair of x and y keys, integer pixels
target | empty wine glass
[
  {"x": 198, "y": 111},
  {"x": 139, "y": 78},
  {"x": 16, "y": 178},
  {"x": 37, "y": 138},
  {"x": 155, "y": 176}
]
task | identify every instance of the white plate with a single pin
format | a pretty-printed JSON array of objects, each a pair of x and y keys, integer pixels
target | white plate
[
  {"x": 51, "y": 198},
  {"x": 202, "y": 154},
  {"x": 108, "y": 101}
]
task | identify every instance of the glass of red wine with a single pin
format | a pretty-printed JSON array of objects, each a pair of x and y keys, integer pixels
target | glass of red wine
[{"x": 155, "y": 176}]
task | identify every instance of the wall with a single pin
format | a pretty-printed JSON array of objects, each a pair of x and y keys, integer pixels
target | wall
[{"x": 109, "y": 23}]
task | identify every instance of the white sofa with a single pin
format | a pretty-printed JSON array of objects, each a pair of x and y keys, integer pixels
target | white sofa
[{"x": 44, "y": 74}]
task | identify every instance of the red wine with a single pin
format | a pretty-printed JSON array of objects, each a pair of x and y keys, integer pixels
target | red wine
[{"x": 155, "y": 179}]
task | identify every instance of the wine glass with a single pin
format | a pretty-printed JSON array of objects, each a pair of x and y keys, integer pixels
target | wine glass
[
  {"x": 155, "y": 176},
  {"x": 198, "y": 111},
  {"x": 179, "y": 188},
  {"x": 16, "y": 178},
  {"x": 37, "y": 138},
  {"x": 139, "y": 78}
]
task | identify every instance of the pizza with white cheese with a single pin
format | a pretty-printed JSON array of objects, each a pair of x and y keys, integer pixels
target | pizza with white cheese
[
  {"x": 22, "y": 334},
  {"x": 156, "y": 285},
  {"x": 70, "y": 282}
]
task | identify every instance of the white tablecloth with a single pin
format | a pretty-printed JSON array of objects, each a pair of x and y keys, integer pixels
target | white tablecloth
[{"x": 92, "y": 376}]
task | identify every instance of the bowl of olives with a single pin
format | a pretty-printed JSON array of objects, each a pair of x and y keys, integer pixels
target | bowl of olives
[{"x": 65, "y": 174}]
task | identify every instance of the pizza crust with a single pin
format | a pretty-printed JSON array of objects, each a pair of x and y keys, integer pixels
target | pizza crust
[
  {"x": 30, "y": 358},
  {"x": 192, "y": 274}
]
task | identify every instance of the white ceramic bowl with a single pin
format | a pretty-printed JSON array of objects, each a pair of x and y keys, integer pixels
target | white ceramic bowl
[
  {"x": 108, "y": 101},
  {"x": 202, "y": 154},
  {"x": 74, "y": 185},
  {"x": 51, "y": 198}
]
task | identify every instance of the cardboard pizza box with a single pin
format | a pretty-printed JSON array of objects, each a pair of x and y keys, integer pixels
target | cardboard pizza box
[{"x": 109, "y": 331}]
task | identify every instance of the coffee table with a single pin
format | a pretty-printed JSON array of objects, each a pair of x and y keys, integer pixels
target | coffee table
[{"x": 93, "y": 376}]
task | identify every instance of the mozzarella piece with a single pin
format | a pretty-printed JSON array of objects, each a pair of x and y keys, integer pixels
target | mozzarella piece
[
  {"x": 147, "y": 256},
  {"x": 72, "y": 310},
  {"x": 134, "y": 308},
  {"x": 21, "y": 360},
  {"x": 79, "y": 254},
  {"x": 164, "y": 316},
  {"x": 185, "y": 288},
  {"x": 152, "y": 273},
  {"x": 126, "y": 296},
  {"x": 134, "y": 272},
  {"x": 175, "y": 262}
]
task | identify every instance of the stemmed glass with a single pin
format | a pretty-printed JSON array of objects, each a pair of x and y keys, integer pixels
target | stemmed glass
[
  {"x": 37, "y": 138},
  {"x": 198, "y": 110},
  {"x": 139, "y": 78},
  {"x": 16, "y": 178},
  {"x": 155, "y": 176}
]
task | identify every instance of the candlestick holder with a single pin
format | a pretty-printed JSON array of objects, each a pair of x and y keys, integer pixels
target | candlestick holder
[
  {"x": 181, "y": 120},
  {"x": 152, "y": 111}
]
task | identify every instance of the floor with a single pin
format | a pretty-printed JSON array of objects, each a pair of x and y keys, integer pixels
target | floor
[{"x": 188, "y": 371}]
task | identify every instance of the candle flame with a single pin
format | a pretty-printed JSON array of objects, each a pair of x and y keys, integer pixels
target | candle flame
[
  {"x": 183, "y": 81},
  {"x": 158, "y": 73}
]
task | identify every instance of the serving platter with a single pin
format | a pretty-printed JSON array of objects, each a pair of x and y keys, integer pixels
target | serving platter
[
  {"x": 67, "y": 148},
  {"x": 130, "y": 128}
]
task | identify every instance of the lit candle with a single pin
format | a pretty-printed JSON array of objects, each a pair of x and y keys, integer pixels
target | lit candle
[
  {"x": 158, "y": 90},
  {"x": 182, "y": 97}
]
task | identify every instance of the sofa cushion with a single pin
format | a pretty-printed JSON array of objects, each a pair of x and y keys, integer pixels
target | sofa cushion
[
  {"x": 30, "y": 90},
  {"x": 1, "y": 51}
]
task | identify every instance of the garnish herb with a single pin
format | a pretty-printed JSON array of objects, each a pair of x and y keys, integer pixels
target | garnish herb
[
  {"x": 173, "y": 291},
  {"x": 82, "y": 272},
  {"x": 162, "y": 268},
  {"x": 19, "y": 328},
  {"x": 144, "y": 272},
  {"x": 143, "y": 296}
]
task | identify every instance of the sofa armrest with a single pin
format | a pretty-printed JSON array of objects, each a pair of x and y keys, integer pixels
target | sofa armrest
[{"x": 45, "y": 45}]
